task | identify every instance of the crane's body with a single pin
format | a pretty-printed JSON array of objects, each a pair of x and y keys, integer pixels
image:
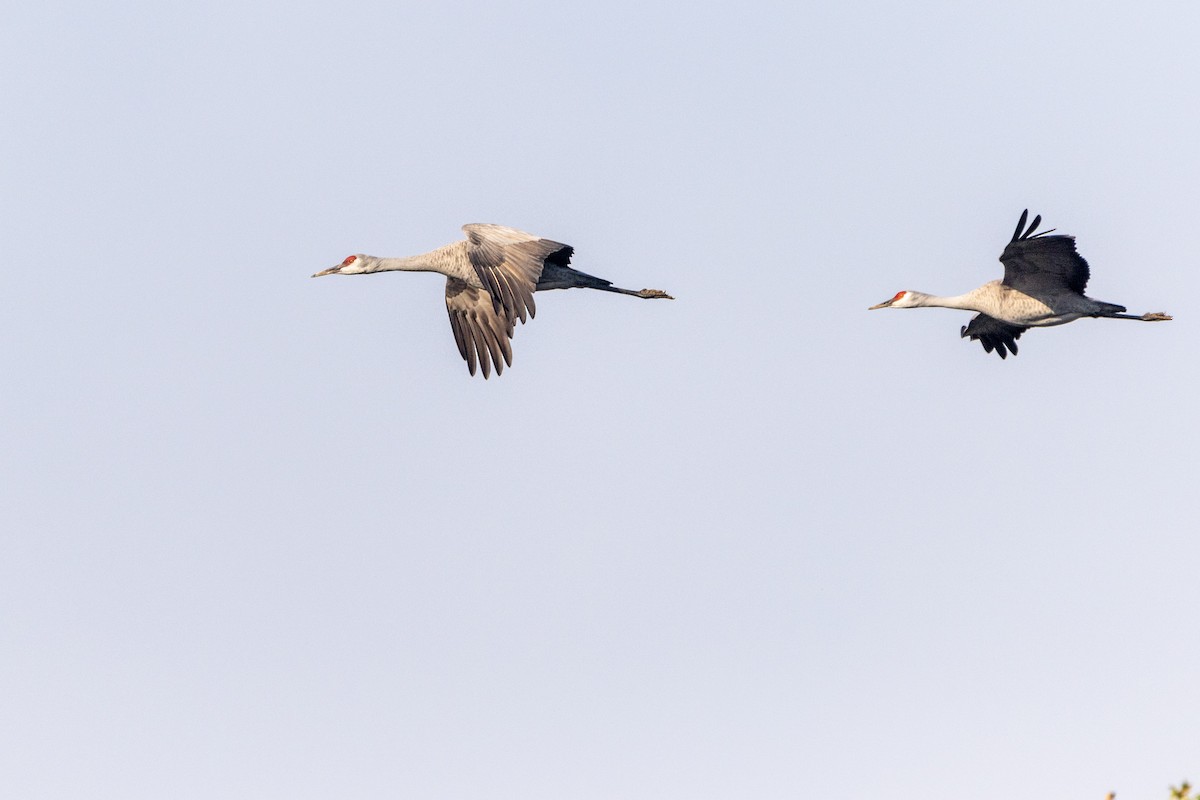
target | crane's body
[
  {"x": 490, "y": 280},
  {"x": 1015, "y": 307},
  {"x": 1043, "y": 284}
]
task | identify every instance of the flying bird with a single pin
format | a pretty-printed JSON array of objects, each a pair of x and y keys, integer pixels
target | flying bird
[
  {"x": 1044, "y": 279},
  {"x": 490, "y": 281}
]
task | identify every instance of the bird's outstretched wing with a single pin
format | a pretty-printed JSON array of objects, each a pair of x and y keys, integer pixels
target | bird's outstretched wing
[
  {"x": 481, "y": 331},
  {"x": 509, "y": 263},
  {"x": 993, "y": 334},
  {"x": 1036, "y": 263}
]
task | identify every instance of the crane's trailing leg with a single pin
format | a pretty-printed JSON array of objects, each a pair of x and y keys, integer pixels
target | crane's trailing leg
[
  {"x": 648, "y": 294},
  {"x": 1155, "y": 316}
]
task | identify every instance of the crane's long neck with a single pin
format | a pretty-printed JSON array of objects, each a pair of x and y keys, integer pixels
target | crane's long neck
[
  {"x": 444, "y": 260},
  {"x": 966, "y": 302}
]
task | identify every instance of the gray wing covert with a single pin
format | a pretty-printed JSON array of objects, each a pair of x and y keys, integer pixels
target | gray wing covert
[{"x": 509, "y": 263}]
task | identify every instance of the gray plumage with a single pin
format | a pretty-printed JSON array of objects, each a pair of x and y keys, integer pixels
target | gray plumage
[{"x": 490, "y": 281}]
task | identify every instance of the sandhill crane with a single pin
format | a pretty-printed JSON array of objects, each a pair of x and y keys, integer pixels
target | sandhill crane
[
  {"x": 490, "y": 281},
  {"x": 1044, "y": 279}
]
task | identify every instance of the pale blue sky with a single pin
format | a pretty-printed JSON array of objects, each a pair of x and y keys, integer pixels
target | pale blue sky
[{"x": 264, "y": 538}]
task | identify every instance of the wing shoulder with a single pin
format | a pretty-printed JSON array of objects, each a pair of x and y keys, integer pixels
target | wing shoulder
[{"x": 500, "y": 234}]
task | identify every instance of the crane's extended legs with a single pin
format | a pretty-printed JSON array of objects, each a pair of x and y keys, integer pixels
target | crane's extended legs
[
  {"x": 1156, "y": 316},
  {"x": 648, "y": 294}
]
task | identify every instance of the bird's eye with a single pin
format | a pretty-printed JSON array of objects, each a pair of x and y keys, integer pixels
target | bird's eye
[{"x": 349, "y": 260}]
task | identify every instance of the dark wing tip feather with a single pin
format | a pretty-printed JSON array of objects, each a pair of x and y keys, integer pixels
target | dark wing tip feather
[
  {"x": 562, "y": 256},
  {"x": 1022, "y": 232},
  {"x": 1020, "y": 226}
]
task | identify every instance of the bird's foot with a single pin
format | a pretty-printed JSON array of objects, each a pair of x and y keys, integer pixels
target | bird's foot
[
  {"x": 1157, "y": 316},
  {"x": 651, "y": 294}
]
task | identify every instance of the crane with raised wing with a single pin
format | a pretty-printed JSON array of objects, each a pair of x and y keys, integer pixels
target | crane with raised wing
[{"x": 1043, "y": 284}]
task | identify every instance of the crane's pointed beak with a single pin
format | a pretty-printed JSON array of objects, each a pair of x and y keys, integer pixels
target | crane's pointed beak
[
  {"x": 330, "y": 271},
  {"x": 884, "y": 304}
]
